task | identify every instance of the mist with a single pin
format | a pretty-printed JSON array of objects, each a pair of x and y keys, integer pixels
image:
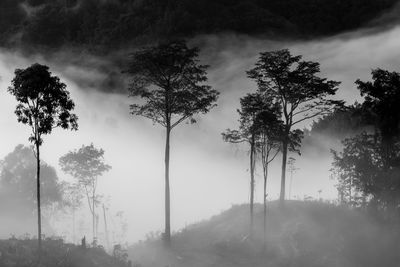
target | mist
[{"x": 207, "y": 175}]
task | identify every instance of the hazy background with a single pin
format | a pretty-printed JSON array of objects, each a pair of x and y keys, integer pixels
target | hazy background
[{"x": 207, "y": 175}]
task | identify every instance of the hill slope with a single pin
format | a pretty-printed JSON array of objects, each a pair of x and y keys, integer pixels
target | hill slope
[{"x": 304, "y": 234}]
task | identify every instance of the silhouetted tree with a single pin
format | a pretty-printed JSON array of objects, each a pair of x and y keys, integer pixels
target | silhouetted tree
[
  {"x": 270, "y": 127},
  {"x": 369, "y": 165},
  {"x": 255, "y": 114},
  {"x": 44, "y": 104},
  {"x": 169, "y": 78},
  {"x": 294, "y": 84},
  {"x": 86, "y": 165},
  {"x": 381, "y": 105},
  {"x": 359, "y": 171}
]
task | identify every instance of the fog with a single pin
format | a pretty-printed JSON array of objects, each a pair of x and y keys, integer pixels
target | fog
[{"x": 207, "y": 175}]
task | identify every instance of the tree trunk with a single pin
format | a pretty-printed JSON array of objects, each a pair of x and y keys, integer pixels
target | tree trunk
[
  {"x": 73, "y": 226},
  {"x": 106, "y": 229},
  {"x": 252, "y": 167},
  {"x": 167, "y": 234},
  {"x": 265, "y": 201},
  {"x": 283, "y": 178},
  {"x": 38, "y": 200},
  {"x": 93, "y": 220},
  {"x": 290, "y": 185}
]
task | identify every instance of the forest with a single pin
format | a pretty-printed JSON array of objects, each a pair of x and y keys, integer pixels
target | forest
[
  {"x": 169, "y": 86},
  {"x": 67, "y": 184},
  {"x": 102, "y": 25}
]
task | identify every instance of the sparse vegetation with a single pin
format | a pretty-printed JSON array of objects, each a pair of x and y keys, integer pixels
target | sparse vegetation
[
  {"x": 23, "y": 253},
  {"x": 303, "y": 234}
]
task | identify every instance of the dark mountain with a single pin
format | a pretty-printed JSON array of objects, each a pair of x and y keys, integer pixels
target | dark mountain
[{"x": 109, "y": 24}]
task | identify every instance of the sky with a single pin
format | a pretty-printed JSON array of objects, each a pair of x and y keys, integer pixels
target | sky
[{"x": 207, "y": 175}]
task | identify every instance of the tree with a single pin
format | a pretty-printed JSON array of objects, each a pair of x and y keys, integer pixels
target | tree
[
  {"x": 292, "y": 169},
  {"x": 381, "y": 102},
  {"x": 44, "y": 104},
  {"x": 294, "y": 84},
  {"x": 369, "y": 165},
  {"x": 17, "y": 183},
  {"x": 257, "y": 117},
  {"x": 73, "y": 200},
  {"x": 248, "y": 133},
  {"x": 359, "y": 171},
  {"x": 86, "y": 165},
  {"x": 270, "y": 127},
  {"x": 170, "y": 80}
]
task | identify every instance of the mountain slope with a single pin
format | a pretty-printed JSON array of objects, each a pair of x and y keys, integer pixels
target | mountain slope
[{"x": 304, "y": 234}]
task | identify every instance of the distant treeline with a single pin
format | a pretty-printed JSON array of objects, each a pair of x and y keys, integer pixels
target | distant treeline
[{"x": 113, "y": 23}]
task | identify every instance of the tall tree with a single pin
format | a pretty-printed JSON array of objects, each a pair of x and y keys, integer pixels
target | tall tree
[
  {"x": 170, "y": 80},
  {"x": 256, "y": 115},
  {"x": 86, "y": 165},
  {"x": 294, "y": 84},
  {"x": 44, "y": 104},
  {"x": 269, "y": 124}
]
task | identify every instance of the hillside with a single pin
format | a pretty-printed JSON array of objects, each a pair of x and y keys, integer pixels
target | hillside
[
  {"x": 23, "y": 253},
  {"x": 101, "y": 25},
  {"x": 304, "y": 234}
]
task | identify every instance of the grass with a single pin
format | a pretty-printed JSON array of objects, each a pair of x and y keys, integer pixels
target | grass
[
  {"x": 303, "y": 234},
  {"x": 56, "y": 253}
]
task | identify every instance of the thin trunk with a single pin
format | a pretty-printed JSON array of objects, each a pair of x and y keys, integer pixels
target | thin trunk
[
  {"x": 105, "y": 228},
  {"x": 252, "y": 167},
  {"x": 38, "y": 200},
  {"x": 265, "y": 165},
  {"x": 290, "y": 185},
  {"x": 93, "y": 221},
  {"x": 73, "y": 225},
  {"x": 283, "y": 178},
  {"x": 350, "y": 193},
  {"x": 167, "y": 234}
]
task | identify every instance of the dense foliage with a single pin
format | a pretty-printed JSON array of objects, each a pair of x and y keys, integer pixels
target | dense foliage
[
  {"x": 112, "y": 23},
  {"x": 368, "y": 167}
]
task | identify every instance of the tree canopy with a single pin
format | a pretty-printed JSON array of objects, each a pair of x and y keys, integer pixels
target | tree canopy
[
  {"x": 301, "y": 94},
  {"x": 84, "y": 163},
  {"x": 104, "y": 24},
  {"x": 43, "y": 101},
  {"x": 370, "y": 162},
  {"x": 171, "y": 81}
]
